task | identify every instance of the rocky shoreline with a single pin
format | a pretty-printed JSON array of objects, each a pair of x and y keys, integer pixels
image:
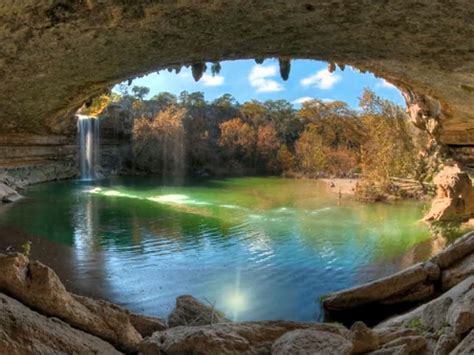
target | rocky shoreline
[{"x": 38, "y": 316}]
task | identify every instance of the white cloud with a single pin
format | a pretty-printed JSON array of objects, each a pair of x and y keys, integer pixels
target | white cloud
[
  {"x": 209, "y": 80},
  {"x": 385, "y": 84},
  {"x": 323, "y": 80},
  {"x": 328, "y": 100},
  {"x": 302, "y": 100},
  {"x": 259, "y": 78}
]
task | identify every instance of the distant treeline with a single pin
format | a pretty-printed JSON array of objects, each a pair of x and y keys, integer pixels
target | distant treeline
[{"x": 187, "y": 135}]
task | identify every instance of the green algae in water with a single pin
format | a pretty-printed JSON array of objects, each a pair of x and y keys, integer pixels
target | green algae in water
[{"x": 259, "y": 248}]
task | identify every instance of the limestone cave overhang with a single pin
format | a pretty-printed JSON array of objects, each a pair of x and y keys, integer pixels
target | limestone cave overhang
[{"x": 55, "y": 54}]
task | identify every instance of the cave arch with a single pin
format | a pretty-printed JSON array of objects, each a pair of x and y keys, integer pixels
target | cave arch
[{"x": 56, "y": 54}]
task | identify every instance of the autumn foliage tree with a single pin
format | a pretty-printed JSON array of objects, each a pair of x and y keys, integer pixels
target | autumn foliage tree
[
  {"x": 320, "y": 139},
  {"x": 238, "y": 139},
  {"x": 158, "y": 143},
  {"x": 267, "y": 146}
]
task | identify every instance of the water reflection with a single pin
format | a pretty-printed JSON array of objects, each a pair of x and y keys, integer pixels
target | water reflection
[{"x": 257, "y": 248}]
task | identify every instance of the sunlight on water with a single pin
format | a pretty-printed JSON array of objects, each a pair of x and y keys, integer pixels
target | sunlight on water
[{"x": 257, "y": 248}]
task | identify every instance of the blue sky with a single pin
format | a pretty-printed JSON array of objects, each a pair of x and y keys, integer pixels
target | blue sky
[{"x": 246, "y": 80}]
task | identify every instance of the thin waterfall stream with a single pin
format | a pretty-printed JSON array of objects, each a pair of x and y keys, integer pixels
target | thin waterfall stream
[{"x": 89, "y": 140}]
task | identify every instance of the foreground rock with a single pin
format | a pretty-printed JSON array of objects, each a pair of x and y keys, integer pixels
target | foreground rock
[
  {"x": 7, "y": 194},
  {"x": 457, "y": 272},
  {"x": 363, "y": 338},
  {"x": 23, "y": 331},
  {"x": 189, "y": 311},
  {"x": 145, "y": 325},
  {"x": 228, "y": 338},
  {"x": 451, "y": 312},
  {"x": 391, "y": 289},
  {"x": 419, "y": 283},
  {"x": 311, "y": 342},
  {"x": 466, "y": 346},
  {"x": 454, "y": 196},
  {"x": 37, "y": 286}
]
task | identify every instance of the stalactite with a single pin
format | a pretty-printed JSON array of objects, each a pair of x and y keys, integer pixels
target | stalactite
[
  {"x": 342, "y": 67},
  {"x": 216, "y": 68},
  {"x": 285, "y": 67},
  {"x": 198, "y": 70},
  {"x": 259, "y": 60},
  {"x": 331, "y": 67}
]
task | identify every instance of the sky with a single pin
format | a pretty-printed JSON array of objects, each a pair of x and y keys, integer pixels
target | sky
[{"x": 246, "y": 80}]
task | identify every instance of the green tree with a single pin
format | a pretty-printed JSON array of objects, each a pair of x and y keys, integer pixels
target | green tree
[
  {"x": 165, "y": 99},
  {"x": 140, "y": 92},
  {"x": 225, "y": 101}
]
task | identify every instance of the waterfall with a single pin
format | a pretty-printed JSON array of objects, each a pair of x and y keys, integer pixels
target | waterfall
[{"x": 88, "y": 130}]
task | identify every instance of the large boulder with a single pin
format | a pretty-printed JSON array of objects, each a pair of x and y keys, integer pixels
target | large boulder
[
  {"x": 227, "y": 338},
  {"x": 457, "y": 272},
  {"x": 37, "y": 286},
  {"x": 453, "y": 309},
  {"x": 311, "y": 342},
  {"x": 23, "y": 331},
  {"x": 363, "y": 338},
  {"x": 454, "y": 197},
  {"x": 446, "y": 343},
  {"x": 419, "y": 283},
  {"x": 405, "y": 286},
  {"x": 407, "y": 344},
  {"x": 146, "y": 325},
  {"x": 461, "y": 248},
  {"x": 190, "y": 311},
  {"x": 466, "y": 346}
]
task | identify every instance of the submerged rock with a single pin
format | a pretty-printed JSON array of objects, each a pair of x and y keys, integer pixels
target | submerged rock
[
  {"x": 227, "y": 338},
  {"x": 23, "y": 331},
  {"x": 190, "y": 311},
  {"x": 37, "y": 286},
  {"x": 311, "y": 342}
]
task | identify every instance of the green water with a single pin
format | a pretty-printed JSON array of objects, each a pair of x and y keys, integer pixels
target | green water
[{"x": 257, "y": 248}]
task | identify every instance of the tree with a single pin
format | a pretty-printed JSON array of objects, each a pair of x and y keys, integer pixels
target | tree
[
  {"x": 267, "y": 148},
  {"x": 158, "y": 144},
  {"x": 194, "y": 99},
  {"x": 286, "y": 160},
  {"x": 225, "y": 101},
  {"x": 254, "y": 112},
  {"x": 285, "y": 120},
  {"x": 140, "y": 92},
  {"x": 238, "y": 139},
  {"x": 165, "y": 99},
  {"x": 388, "y": 150},
  {"x": 338, "y": 125},
  {"x": 310, "y": 151}
]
